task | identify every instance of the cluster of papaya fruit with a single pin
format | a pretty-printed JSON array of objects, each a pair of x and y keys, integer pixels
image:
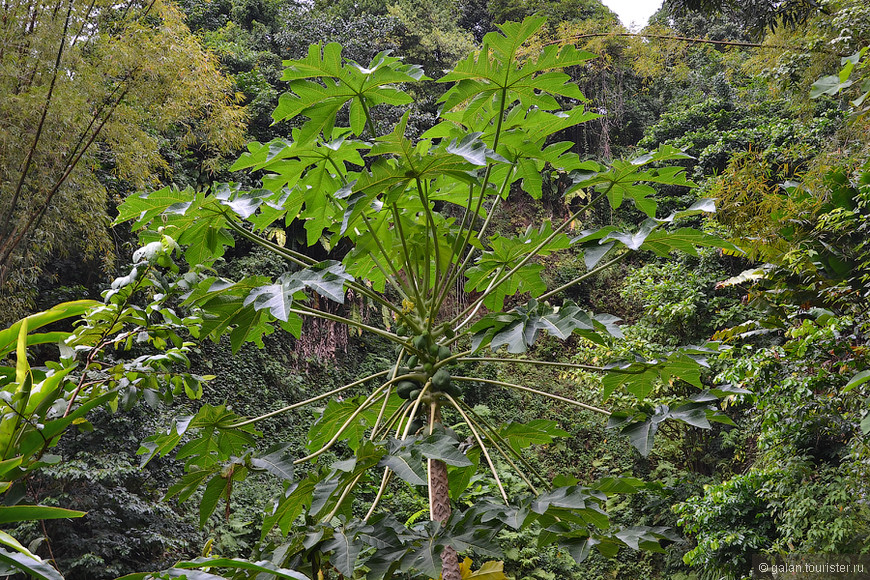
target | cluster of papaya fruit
[{"x": 422, "y": 366}]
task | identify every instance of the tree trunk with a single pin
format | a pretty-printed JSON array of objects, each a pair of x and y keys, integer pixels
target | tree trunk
[{"x": 439, "y": 504}]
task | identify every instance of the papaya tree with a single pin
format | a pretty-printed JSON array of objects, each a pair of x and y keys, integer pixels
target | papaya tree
[{"x": 407, "y": 222}]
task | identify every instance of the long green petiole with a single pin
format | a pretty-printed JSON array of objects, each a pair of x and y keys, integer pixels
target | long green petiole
[
  {"x": 544, "y": 363},
  {"x": 483, "y": 448},
  {"x": 325, "y": 395},
  {"x": 492, "y": 431},
  {"x": 306, "y": 311},
  {"x": 532, "y": 254},
  {"x": 384, "y": 481},
  {"x": 494, "y": 439},
  {"x": 395, "y": 280},
  {"x": 534, "y": 391},
  {"x": 335, "y": 438}
]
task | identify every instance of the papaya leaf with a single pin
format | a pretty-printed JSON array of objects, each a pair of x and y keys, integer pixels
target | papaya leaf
[
  {"x": 534, "y": 432},
  {"x": 277, "y": 461},
  {"x": 406, "y": 461},
  {"x": 345, "y": 552}
]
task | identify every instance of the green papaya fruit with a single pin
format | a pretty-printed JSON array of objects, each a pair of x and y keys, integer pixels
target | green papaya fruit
[
  {"x": 404, "y": 388},
  {"x": 441, "y": 379}
]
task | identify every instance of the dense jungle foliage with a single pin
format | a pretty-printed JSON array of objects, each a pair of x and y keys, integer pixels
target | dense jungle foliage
[{"x": 476, "y": 289}]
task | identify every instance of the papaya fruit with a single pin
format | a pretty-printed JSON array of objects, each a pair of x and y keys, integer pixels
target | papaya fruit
[
  {"x": 441, "y": 379},
  {"x": 404, "y": 389}
]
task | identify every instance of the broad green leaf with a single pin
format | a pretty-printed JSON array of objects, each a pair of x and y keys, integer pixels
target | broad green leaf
[
  {"x": 519, "y": 328},
  {"x": 444, "y": 448},
  {"x": 535, "y": 432},
  {"x": 62, "y": 311},
  {"x": 364, "y": 88},
  {"x": 645, "y": 538},
  {"x": 145, "y": 207},
  {"x": 488, "y": 571},
  {"x": 405, "y": 459},
  {"x": 334, "y": 416},
  {"x": 857, "y": 380},
  {"x": 289, "y": 507},
  {"x": 345, "y": 552},
  {"x": 277, "y": 461},
  {"x": 29, "y": 564},
  {"x": 829, "y": 85},
  {"x": 239, "y": 564},
  {"x": 24, "y": 513}
]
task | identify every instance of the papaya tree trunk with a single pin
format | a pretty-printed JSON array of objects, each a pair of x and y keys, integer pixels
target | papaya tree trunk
[{"x": 439, "y": 503}]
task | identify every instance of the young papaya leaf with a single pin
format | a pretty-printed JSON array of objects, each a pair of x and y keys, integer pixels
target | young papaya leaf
[{"x": 364, "y": 88}]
